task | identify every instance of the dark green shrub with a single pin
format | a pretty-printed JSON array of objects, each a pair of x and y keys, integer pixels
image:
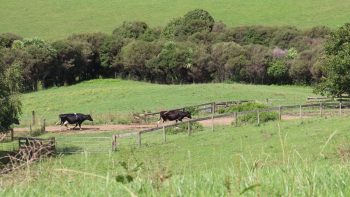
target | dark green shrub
[
  {"x": 243, "y": 107},
  {"x": 183, "y": 128},
  {"x": 6, "y": 39},
  {"x": 131, "y": 29},
  {"x": 253, "y": 117}
]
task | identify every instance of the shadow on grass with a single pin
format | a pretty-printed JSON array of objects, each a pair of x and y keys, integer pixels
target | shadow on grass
[{"x": 69, "y": 150}]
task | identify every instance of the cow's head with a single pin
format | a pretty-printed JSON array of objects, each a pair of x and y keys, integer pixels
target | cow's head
[
  {"x": 89, "y": 117},
  {"x": 189, "y": 115}
]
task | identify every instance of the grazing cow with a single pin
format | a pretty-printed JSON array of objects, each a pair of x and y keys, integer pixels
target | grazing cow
[
  {"x": 75, "y": 118},
  {"x": 172, "y": 115}
]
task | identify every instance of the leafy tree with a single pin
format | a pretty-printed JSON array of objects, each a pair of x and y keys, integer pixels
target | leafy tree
[
  {"x": 197, "y": 20},
  {"x": 37, "y": 60},
  {"x": 255, "y": 69},
  {"x": 131, "y": 29},
  {"x": 228, "y": 60},
  {"x": 194, "y": 21},
  {"x": 6, "y": 39},
  {"x": 336, "y": 65},
  {"x": 10, "y": 84},
  {"x": 172, "y": 64},
  {"x": 135, "y": 56},
  {"x": 278, "y": 71}
]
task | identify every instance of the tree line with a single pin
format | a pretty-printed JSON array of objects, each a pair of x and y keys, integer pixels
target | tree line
[{"x": 190, "y": 49}]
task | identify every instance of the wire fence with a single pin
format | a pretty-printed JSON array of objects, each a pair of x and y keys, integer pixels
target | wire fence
[{"x": 83, "y": 144}]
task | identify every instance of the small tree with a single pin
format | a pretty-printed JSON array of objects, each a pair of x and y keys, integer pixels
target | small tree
[
  {"x": 10, "y": 84},
  {"x": 336, "y": 65}
]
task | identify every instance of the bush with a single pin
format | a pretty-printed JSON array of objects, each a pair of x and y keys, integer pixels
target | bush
[
  {"x": 253, "y": 117},
  {"x": 6, "y": 39},
  {"x": 243, "y": 107},
  {"x": 131, "y": 29},
  {"x": 182, "y": 128}
]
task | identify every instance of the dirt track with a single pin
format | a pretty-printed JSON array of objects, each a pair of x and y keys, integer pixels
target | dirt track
[{"x": 137, "y": 127}]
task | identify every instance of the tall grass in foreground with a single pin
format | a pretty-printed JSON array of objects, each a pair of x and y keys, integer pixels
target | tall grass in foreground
[
  {"x": 296, "y": 176},
  {"x": 308, "y": 158}
]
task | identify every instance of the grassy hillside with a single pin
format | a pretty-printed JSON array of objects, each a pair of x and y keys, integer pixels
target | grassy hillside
[
  {"x": 59, "y": 18},
  {"x": 308, "y": 158},
  {"x": 121, "y": 97}
]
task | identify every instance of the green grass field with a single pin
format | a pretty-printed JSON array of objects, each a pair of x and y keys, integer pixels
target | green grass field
[
  {"x": 302, "y": 158},
  {"x": 58, "y": 18},
  {"x": 120, "y": 97}
]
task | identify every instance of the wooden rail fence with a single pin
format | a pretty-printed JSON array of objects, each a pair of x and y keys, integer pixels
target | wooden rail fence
[{"x": 318, "y": 110}]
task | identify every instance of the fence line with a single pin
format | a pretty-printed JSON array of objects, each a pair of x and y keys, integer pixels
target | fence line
[
  {"x": 280, "y": 109},
  {"x": 213, "y": 105}
]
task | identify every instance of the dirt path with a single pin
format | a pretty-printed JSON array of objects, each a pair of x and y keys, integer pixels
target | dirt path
[
  {"x": 137, "y": 127},
  {"x": 122, "y": 127}
]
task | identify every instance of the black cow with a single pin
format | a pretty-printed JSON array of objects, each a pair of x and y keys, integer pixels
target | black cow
[
  {"x": 75, "y": 118},
  {"x": 172, "y": 115}
]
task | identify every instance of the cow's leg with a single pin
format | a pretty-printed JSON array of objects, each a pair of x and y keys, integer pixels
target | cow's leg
[
  {"x": 66, "y": 124},
  {"x": 75, "y": 126},
  {"x": 159, "y": 121},
  {"x": 79, "y": 126}
]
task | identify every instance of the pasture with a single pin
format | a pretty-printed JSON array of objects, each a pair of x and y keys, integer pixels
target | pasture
[
  {"x": 57, "y": 19},
  {"x": 113, "y": 100},
  {"x": 290, "y": 158}
]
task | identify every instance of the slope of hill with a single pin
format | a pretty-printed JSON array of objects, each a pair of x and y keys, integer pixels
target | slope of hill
[{"x": 57, "y": 19}]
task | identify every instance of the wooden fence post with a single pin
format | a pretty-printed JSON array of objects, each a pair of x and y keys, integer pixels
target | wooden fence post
[
  {"x": 340, "y": 109},
  {"x": 300, "y": 112},
  {"x": 279, "y": 113},
  {"x": 164, "y": 134},
  {"x": 139, "y": 139},
  {"x": 236, "y": 118},
  {"x": 30, "y": 130},
  {"x": 257, "y": 111},
  {"x": 43, "y": 127},
  {"x": 114, "y": 142},
  {"x": 189, "y": 130},
  {"x": 321, "y": 109},
  {"x": 33, "y": 117},
  {"x": 212, "y": 122},
  {"x": 12, "y": 133},
  {"x": 213, "y": 108}
]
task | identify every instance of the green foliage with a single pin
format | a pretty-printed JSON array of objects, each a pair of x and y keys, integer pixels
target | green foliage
[
  {"x": 278, "y": 70},
  {"x": 10, "y": 105},
  {"x": 131, "y": 29},
  {"x": 197, "y": 20},
  {"x": 194, "y": 21},
  {"x": 263, "y": 116},
  {"x": 130, "y": 172},
  {"x": 183, "y": 128},
  {"x": 6, "y": 39},
  {"x": 336, "y": 64},
  {"x": 243, "y": 107},
  {"x": 172, "y": 63}
]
